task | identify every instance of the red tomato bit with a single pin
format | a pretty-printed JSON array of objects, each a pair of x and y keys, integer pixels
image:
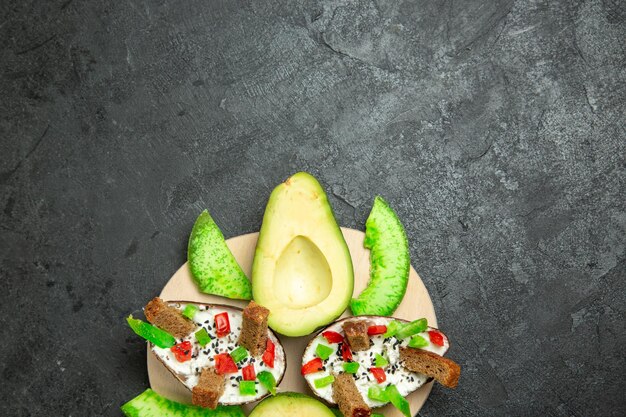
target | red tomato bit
[
  {"x": 268, "y": 355},
  {"x": 248, "y": 373},
  {"x": 222, "y": 324},
  {"x": 332, "y": 337},
  {"x": 374, "y": 330},
  {"x": 346, "y": 353},
  {"x": 314, "y": 365},
  {"x": 436, "y": 338},
  {"x": 182, "y": 351},
  {"x": 379, "y": 374},
  {"x": 224, "y": 364}
]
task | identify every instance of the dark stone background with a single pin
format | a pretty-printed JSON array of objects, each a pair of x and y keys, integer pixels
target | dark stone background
[{"x": 496, "y": 129}]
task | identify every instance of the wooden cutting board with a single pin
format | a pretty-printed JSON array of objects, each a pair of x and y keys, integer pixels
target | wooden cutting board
[{"x": 416, "y": 304}]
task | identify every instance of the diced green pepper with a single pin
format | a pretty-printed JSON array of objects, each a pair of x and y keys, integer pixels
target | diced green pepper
[
  {"x": 202, "y": 337},
  {"x": 392, "y": 328},
  {"x": 398, "y": 400},
  {"x": 190, "y": 311},
  {"x": 324, "y": 381},
  {"x": 323, "y": 352},
  {"x": 268, "y": 381},
  {"x": 380, "y": 361},
  {"x": 377, "y": 393},
  {"x": 377, "y": 415},
  {"x": 350, "y": 367},
  {"x": 418, "y": 342},
  {"x": 336, "y": 412},
  {"x": 239, "y": 354},
  {"x": 412, "y": 328},
  {"x": 151, "y": 333},
  {"x": 247, "y": 388}
]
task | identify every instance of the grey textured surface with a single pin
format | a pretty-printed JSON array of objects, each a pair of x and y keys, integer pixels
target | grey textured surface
[{"x": 496, "y": 129}]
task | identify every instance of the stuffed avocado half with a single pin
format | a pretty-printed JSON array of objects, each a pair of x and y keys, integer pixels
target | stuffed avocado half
[
  {"x": 364, "y": 362},
  {"x": 302, "y": 270}
]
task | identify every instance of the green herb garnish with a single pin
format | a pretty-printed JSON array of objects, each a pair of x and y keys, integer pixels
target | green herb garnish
[
  {"x": 239, "y": 354},
  {"x": 323, "y": 352}
]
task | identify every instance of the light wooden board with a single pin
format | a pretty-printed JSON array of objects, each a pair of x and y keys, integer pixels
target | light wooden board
[{"x": 416, "y": 304}]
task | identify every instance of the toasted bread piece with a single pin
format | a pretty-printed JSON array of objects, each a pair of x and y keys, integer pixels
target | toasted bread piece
[
  {"x": 253, "y": 334},
  {"x": 356, "y": 333},
  {"x": 348, "y": 398},
  {"x": 444, "y": 370},
  {"x": 209, "y": 389},
  {"x": 168, "y": 318}
]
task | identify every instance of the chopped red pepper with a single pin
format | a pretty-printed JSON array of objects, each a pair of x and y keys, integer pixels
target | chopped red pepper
[
  {"x": 332, "y": 337},
  {"x": 374, "y": 330},
  {"x": 224, "y": 364},
  {"x": 182, "y": 351},
  {"x": 312, "y": 366},
  {"x": 435, "y": 337},
  {"x": 346, "y": 353},
  {"x": 248, "y": 373},
  {"x": 222, "y": 324},
  {"x": 379, "y": 374},
  {"x": 268, "y": 355}
]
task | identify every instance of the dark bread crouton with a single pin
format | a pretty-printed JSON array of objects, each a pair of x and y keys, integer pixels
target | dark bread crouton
[
  {"x": 348, "y": 398},
  {"x": 444, "y": 370},
  {"x": 356, "y": 333},
  {"x": 168, "y": 318},
  {"x": 253, "y": 334},
  {"x": 209, "y": 389}
]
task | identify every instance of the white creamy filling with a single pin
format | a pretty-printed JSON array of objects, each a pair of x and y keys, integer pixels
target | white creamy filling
[
  {"x": 405, "y": 380},
  {"x": 204, "y": 356}
]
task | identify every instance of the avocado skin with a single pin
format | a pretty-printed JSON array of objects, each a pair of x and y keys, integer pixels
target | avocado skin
[
  {"x": 291, "y": 404},
  {"x": 212, "y": 265},
  {"x": 389, "y": 263},
  {"x": 151, "y": 404}
]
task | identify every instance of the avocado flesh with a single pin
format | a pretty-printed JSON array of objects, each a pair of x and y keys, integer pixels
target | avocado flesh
[
  {"x": 389, "y": 263},
  {"x": 213, "y": 266},
  {"x": 291, "y": 404},
  {"x": 151, "y": 404},
  {"x": 302, "y": 270}
]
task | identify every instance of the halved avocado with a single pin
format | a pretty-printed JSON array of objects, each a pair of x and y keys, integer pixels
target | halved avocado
[
  {"x": 150, "y": 404},
  {"x": 302, "y": 270},
  {"x": 291, "y": 404}
]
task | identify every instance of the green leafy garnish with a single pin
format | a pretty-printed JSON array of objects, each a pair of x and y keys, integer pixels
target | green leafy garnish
[
  {"x": 350, "y": 367},
  {"x": 190, "y": 310},
  {"x": 239, "y": 354},
  {"x": 392, "y": 328},
  {"x": 324, "y": 381},
  {"x": 268, "y": 381},
  {"x": 380, "y": 361},
  {"x": 376, "y": 393},
  {"x": 412, "y": 328},
  {"x": 202, "y": 337},
  {"x": 247, "y": 388},
  {"x": 418, "y": 342},
  {"x": 398, "y": 400},
  {"x": 151, "y": 333},
  {"x": 323, "y": 352}
]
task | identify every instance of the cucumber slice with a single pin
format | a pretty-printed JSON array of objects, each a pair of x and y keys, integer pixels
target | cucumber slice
[
  {"x": 151, "y": 404},
  {"x": 389, "y": 263},
  {"x": 212, "y": 265}
]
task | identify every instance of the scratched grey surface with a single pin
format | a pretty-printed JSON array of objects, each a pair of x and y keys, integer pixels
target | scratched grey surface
[{"x": 495, "y": 129}]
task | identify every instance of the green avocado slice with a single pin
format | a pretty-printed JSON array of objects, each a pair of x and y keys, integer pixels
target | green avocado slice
[
  {"x": 151, "y": 404},
  {"x": 291, "y": 404},
  {"x": 389, "y": 262},
  {"x": 212, "y": 264}
]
